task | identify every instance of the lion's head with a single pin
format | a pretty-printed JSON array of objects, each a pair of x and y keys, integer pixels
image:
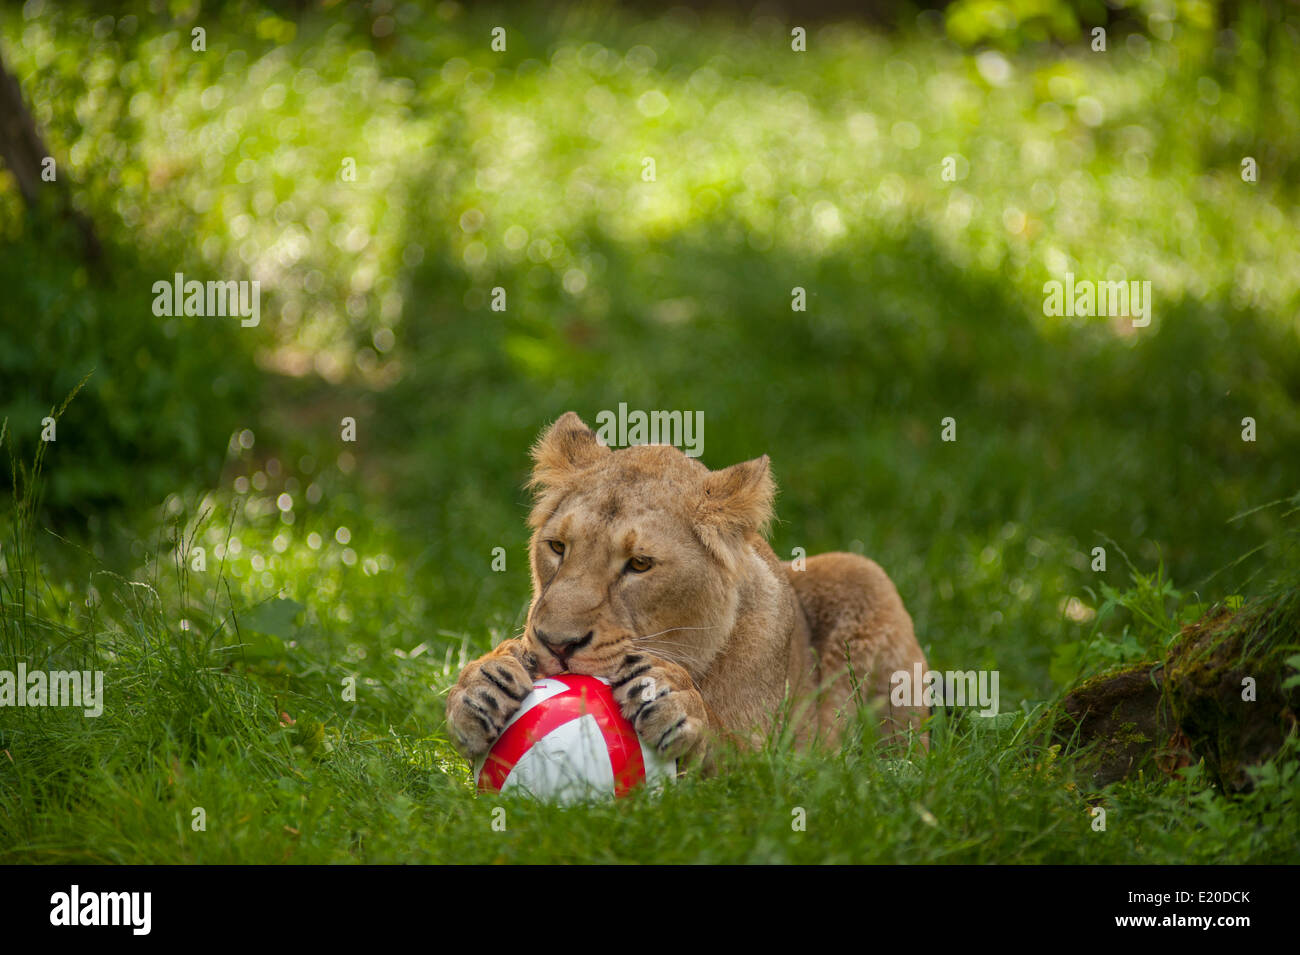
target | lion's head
[{"x": 636, "y": 548}]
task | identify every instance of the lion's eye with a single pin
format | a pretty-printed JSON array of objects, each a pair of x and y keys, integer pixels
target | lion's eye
[
  {"x": 557, "y": 546},
  {"x": 639, "y": 565}
]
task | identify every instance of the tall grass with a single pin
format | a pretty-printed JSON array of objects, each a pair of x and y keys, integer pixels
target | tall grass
[
  {"x": 231, "y": 689},
  {"x": 195, "y": 730}
]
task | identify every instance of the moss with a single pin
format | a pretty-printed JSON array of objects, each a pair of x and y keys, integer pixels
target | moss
[
  {"x": 1109, "y": 722},
  {"x": 1192, "y": 705},
  {"x": 1206, "y": 679},
  {"x": 1129, "y": 733}
]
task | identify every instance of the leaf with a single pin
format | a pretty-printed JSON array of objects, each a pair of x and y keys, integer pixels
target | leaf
[
  {"x": 274, "y": 617},
  {"x": 1064, "y": 666},
  {"x": 1294, "y": 680},
  {"x": 265, "y": 627},
  {"x": 310, "y": 735},
  {"x": 996, "y": 723},
  {"x": 258, "y": 644}
]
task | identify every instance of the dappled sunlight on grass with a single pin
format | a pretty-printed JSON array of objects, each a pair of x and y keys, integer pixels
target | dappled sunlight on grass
[
  {"x": 827, "y": 255},
  {"x": 1068, "y": 163}
]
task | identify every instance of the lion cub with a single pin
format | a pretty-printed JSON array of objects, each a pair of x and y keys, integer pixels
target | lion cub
[{"x": 652, "y": 571}]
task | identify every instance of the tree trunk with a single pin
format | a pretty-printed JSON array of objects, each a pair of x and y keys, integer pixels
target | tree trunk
[{"x": 23, "y": 152}]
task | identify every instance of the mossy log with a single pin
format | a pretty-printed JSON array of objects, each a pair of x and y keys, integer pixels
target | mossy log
[
  {"x": 1224, "y": 678},
  {"x": 1117, "y": 724},
  {"x": 1218, "y": 696}
]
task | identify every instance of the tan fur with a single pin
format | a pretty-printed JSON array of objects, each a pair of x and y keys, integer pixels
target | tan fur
[{"x": 713, "y": 636}]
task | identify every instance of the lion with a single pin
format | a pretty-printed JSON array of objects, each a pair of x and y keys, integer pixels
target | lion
[{"x": 653, "y": 572}]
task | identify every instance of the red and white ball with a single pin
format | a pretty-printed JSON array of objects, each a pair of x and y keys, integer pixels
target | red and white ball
[{"x": 569, "y": 743}]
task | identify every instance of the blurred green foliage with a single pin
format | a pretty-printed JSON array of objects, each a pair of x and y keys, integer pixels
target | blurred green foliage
[
  {"x": 1014, "y": 22},
  {"x": 158, "y": 403},
  {"x": 522, "y": 170}
]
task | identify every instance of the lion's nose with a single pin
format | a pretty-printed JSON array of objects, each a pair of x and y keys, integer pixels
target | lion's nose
[{"x": 562, "y": 645}]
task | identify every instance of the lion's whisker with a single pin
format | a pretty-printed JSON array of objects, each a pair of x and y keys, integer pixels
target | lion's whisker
[
  {"x": 670, "y": 630},
  {"x": 670, "y": 652}
]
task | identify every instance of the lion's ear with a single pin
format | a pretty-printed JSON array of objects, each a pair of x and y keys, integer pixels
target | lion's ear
[
  {"x": 738, "y": 499},
  {"x": 567, "y": 446}
]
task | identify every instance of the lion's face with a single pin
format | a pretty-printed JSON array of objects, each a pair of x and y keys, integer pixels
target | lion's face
[{"x": 635, "y": 549}]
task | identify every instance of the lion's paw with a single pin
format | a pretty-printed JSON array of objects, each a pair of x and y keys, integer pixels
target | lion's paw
[
  {"x": 660, "y": 702},
  {"x": 487, "y": 694}
]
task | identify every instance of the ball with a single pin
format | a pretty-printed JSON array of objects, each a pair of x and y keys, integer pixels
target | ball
[{"x": 569, "y": 743}]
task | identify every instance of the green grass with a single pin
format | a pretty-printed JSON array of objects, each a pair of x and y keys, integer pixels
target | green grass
[
  {"x": 196, "y": 720},
  {"x": 523, "y": 170}
]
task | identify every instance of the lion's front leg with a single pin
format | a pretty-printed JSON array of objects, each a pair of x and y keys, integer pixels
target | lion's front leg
[
  {"x": 487, "y": 694},
  {"x": 661, "y": 701}
]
